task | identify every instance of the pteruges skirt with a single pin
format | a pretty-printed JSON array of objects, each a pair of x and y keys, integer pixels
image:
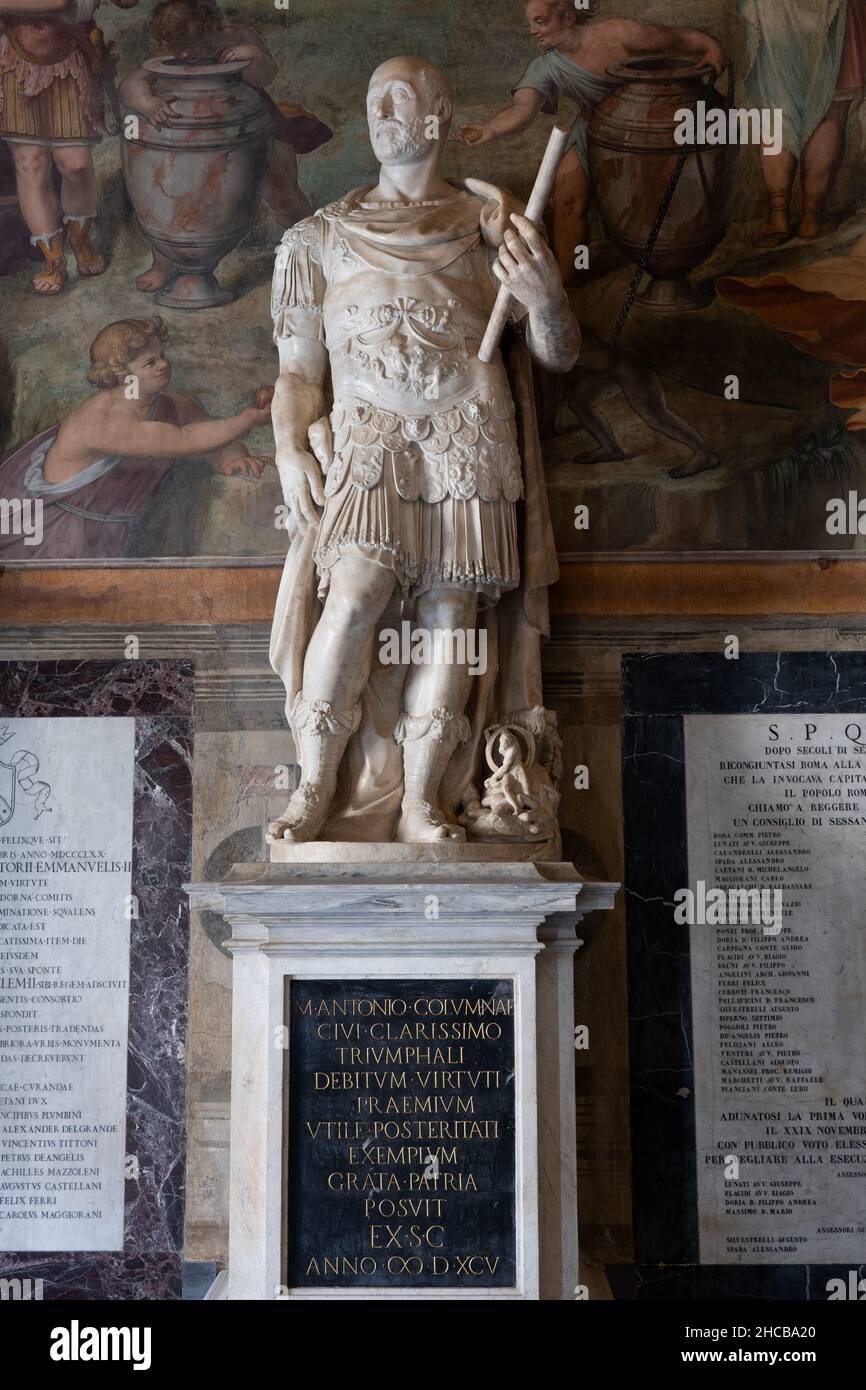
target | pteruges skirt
[
  {"x": 454, "y": 543},
  {"x": 55, "y": 102}
]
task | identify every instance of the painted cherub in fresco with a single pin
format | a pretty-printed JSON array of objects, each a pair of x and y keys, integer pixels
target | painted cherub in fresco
[
  {"x": 196, "y": 32},
  {"x": 577, "y": 48},
  {"x": 96, "y": 472}
]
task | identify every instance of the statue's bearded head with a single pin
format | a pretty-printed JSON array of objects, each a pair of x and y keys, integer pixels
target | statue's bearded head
[{"x": 408, "y": 110}]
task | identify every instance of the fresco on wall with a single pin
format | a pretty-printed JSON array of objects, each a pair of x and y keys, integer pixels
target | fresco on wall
[{"x": 707, "y": 218}]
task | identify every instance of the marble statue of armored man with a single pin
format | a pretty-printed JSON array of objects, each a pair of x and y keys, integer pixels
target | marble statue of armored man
[{"x": 417, "y": 505}]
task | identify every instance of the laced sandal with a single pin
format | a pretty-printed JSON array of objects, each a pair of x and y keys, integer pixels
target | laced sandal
[
  {"x": 52, "y": 277},
  {"x": 87, "y": 258}
]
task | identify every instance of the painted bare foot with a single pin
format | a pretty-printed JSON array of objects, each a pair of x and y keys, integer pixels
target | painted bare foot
[
  {"x": 303, "y": 817},
  {"x": 602, "y": 454},
  {"x": 153, "y": 279},
  {"x": 703, "y": 461},
  {"x": 420, "y": 821}
]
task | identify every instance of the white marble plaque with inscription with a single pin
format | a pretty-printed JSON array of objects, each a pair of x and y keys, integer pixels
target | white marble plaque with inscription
[
  {"x": 778, "y": 804},
  {"x": 66, "y": 807}
]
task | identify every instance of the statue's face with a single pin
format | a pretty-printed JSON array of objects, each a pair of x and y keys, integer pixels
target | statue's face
[{"x": 398, "y": 112}]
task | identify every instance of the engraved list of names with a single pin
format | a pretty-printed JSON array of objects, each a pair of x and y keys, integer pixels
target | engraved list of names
[
  {"x": 65, "y": 874},
  {"x": 401, "y": 1134},
  {"x": 778, "y": 803}
]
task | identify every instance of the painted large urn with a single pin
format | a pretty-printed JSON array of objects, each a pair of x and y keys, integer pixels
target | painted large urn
[
  {"x": 634, "y": 159},
  {"x": 195, "y": 184}
]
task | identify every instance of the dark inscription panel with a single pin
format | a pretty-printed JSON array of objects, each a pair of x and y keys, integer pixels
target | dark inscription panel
[{"x": 401, "y": 1134}]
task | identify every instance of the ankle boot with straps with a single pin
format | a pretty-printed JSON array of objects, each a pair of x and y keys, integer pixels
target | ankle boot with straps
[{"x": 52, "y": 277}]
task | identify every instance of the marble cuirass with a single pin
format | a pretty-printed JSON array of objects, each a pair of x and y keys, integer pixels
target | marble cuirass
[{"x": 401, "y": 296}]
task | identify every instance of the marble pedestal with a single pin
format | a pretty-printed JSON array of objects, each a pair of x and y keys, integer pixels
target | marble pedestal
[{"x": 511, "y": 922}]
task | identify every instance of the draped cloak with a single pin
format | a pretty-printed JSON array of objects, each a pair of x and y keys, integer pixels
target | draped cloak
[
  {"x": 91, "y": 515},
  {"x": 821, "y": 308},
  {"x": 801, "y": 55}
]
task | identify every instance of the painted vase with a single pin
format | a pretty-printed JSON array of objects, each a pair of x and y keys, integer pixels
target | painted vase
[
  {"x": 195, "y": 184},
  {"x": 633, "y": 155}
]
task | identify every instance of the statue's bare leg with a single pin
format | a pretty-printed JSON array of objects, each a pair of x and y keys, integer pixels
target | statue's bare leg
[
  {"x": 336, "y": 669},
  {"x": 433, "y": 723}
]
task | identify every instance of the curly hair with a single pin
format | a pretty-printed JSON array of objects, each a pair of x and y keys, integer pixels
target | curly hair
[
  {"x": 178, "y": 23},
  {"x": 115, "y": 345}
]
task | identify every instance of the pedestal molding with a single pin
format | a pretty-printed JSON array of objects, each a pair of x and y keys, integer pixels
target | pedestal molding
[{"x": 513, "y": 921}]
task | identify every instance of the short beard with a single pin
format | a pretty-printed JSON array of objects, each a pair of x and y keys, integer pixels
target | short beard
[{"x": 411, "y": 143}]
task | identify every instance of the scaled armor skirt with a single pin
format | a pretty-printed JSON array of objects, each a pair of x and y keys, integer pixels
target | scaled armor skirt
[{"x": 401, "y": 506}]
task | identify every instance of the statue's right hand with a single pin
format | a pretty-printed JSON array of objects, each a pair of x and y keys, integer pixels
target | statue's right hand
[{"x": 301, "y": 478}]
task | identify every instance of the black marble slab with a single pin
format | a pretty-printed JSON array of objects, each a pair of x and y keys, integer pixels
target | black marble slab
[
  {"x": 658, "y": 690},
  {"x": 422, "y": 1122},
  {"x": 159, "y": 696}
]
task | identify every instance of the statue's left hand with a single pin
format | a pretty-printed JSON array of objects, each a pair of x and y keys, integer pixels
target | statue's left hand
[{"x": 528, "y": 268}]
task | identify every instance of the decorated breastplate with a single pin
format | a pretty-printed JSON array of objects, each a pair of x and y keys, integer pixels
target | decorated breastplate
[
  {"x": 408, "y": 347},
  {"x": 410, "y": 351},
  {"x": 410, "y": 394}
]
